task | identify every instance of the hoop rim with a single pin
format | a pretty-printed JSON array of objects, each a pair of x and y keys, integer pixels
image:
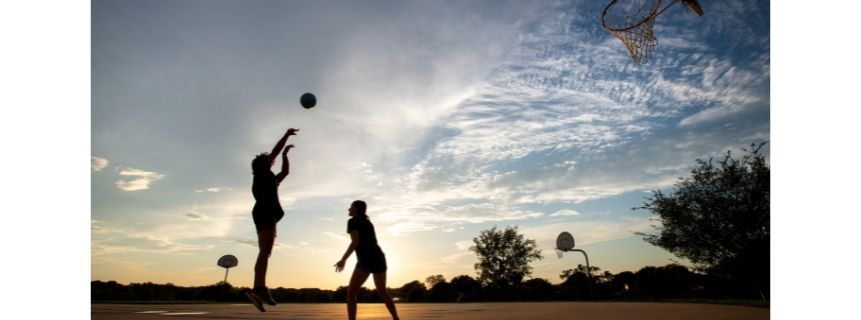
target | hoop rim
[{"x": 651, "y": 15}]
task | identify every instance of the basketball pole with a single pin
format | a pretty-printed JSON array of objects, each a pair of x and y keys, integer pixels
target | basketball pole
[{"x": 588, "y": 271}]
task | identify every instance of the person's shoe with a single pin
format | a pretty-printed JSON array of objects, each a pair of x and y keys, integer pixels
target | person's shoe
[
  {"x": 255, "y": 299},
  {"x": 265, "y": 296}
]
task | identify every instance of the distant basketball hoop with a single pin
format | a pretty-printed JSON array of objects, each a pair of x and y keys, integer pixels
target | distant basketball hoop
[
  {"x": 227, "y": 262},
  {"x": 565, "y": 243}
]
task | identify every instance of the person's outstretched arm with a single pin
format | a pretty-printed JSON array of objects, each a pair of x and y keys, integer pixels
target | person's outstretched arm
[
  {"x": 285, "y": 165},
  {"x": 354, "y": 235},
  {"x": 277, "y": 149}
]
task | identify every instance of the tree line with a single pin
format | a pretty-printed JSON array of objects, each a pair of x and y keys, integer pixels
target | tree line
[{"x": 665, "y": 282}]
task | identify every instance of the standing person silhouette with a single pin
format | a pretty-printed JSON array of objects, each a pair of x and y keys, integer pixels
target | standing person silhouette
[
  {"x": 370, "y": 259},
  {"x": 266, "y": 213}
]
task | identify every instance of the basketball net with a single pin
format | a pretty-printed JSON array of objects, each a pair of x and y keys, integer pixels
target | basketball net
[
  {"x": 632, "y": 24},
  {"x": 640, "y": 41}
]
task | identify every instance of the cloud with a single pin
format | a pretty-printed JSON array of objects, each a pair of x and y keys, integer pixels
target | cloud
[
  {"x": 277, "y": 244},
  {"x": 565, "y": 212},
  {"x": 550, "y": 125},
  {"x": 183, "y": 223},
  {"x": 95, "y": 227},
  {"x": 463, "y": 245},
  {"x": 248, "y": 242},
  {"x": 543, "y": 123},
  {"x": 139, "y": 179},
  {"x": 108, "y": 245},
  {"x": 212, "y": 190},
  {"x": 711, "y": 114},
  {"x": 588, "y": 232},
  {"x": 337, "y": 236},
  {"x": 402, "y": 216},
  {"x": 195, "y": 216},
  {"x": 406, "y": 206},
  {"x": 456, "y": 257},
  {"x": 98, "y": 163},
  {"x": 462, "y": 253},
  {"x": 410, "y": 227}
]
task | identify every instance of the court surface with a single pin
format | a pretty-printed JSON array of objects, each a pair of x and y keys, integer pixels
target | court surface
[{"x": 453, "y": 311}]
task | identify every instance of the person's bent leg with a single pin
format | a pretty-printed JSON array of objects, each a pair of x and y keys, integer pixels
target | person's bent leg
[
  {"x": 359, "y": 277},
  {"x": 380, "y": 283}
]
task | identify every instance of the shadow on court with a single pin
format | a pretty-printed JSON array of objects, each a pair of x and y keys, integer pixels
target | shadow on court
[{"x": 460, "y": 311}]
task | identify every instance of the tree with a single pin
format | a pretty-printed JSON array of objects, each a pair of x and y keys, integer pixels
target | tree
[
  {"x": 672, "y": 280},
  {"x": 570, "y": 274},
  {"x": 538, "y": 289},
  {"x": 413, "y": 291},
  {"x": 577, "y": 282},
  {"x": 624, "y": 284},
  {"x": 442, "y": 292},
  {"x": 433, "y": 280},
  {"x": 718, "y": 218},
  {"x": 468, "y": 289},
  {"x": 504, "y": 256}
]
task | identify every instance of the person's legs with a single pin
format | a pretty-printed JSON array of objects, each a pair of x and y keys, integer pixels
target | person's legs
[
  {"x": 380, "y": 283},
  {"x": 265, "y": 241},
  {"x": 359, "y": 277}
]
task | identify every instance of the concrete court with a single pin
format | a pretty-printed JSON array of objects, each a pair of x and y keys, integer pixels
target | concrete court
[{"x": 453, "y": 311}]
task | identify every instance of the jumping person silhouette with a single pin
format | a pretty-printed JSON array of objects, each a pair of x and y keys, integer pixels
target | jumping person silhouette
[
  {"x": 370, "y": 259},
  {"x": 266, "y": 213}
]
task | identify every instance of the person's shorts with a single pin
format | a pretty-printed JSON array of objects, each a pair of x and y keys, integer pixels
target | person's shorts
[
  {"x": 266, "y": 220},
  {"x": 372, "y": 264}
]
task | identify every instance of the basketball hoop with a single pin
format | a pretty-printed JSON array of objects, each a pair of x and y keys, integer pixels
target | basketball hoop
[
  {"x": 631, "y": 21},
  {"x": 565, "y": 243},
  {"x": 227, "y": 261}
]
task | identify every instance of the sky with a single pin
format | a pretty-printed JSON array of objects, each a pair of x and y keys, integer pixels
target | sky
[{"x": 446, "y": 117}]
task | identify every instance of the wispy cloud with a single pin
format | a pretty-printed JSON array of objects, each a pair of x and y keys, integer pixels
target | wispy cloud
[
  {"x": 408, "y": 215},
  {"x": 337, "y": 236},
  {"x": 212, "y": 190},
  {"x": 549, "y": 125},
  {"x": 588, "y": 232},
  {"x": 96, "y": 227},
  {"x": 138, "y": 179},
  {"x": 153, "y": 244},
  {"x": 98, "y": 164},
  {"x": 565, "y": 212},
  {"x": 195, "y": 216},
  {"x": 461, "y": 255},
  {"x": 463, "y": 245},
  {"x": 248, "y": 242}
]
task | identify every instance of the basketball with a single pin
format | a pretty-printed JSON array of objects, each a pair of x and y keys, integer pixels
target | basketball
[{"x": 308, "y": 100}]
